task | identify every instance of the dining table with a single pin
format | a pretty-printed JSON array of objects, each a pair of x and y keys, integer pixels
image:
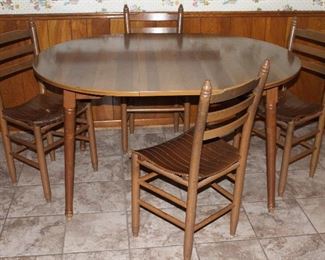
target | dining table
[{"x": 142, "y": 65}]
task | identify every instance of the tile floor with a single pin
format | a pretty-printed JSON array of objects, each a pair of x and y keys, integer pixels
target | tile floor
[{"x": 30, "y": 228}]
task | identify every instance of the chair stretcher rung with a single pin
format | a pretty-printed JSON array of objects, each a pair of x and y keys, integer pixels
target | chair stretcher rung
[
  {"x": 25, "y": 160},
  {"x": 222, "y": 191},
  {"x": 154, "y": 110},
  {"x": 212, "y": 217},
  {"x": 162, "y": 214},
  {"x": 164, "y": 194},
  {"x": 301, "y": 155},
  {"x": 20, "y": 141}
]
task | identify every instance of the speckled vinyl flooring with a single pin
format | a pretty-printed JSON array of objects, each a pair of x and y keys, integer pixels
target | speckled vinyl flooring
[{"x": 31, "y": 228}]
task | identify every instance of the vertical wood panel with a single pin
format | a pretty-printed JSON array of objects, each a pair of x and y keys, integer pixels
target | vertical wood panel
[
  {"x": 276, "y": 30},
  {"x": 192, "y": 25},
  {"x": 116, "y": 26},
  {"x": 59, "y": 31},
  {"x": 98, "y": 26},
  {"x": 79, "y": 28},
  {"x": 240, "y": 26},
  {"x": 258, "y": 28},
  {"x": 43, "y": 34},
  {"x": 217, "y": 25}
]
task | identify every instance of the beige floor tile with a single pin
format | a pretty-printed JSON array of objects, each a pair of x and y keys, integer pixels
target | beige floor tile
[
  {"x": 233, "y": 250},
  {"x": 303, "y": 186},
  {"x": 314, "y": 208},
  {"x": 6, "y": 195},
  {"x": 30, "y": 201},
  {"x": 32, "y": 236},
  {"x": 96, "y": 232},
  {"x": 156, "y": 232},
  {"x": 299, "y": 248},
  {"x": 287, "y": 219},
  {"x": 165, "y": 253},
  {"x": 94, "y": 197},
  {"x": 113, "y": 255},
  {"x": 255, "y": 189},
  {"x": 219, "y": 230},
  {"x": 44, "y": 257}
]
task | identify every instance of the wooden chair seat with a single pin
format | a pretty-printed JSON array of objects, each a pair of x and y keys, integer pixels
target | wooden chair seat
[
  {"x": 40, "y": 110},
  {"x": 292, "y": 108},
  {"x": 174, "y": 156}
]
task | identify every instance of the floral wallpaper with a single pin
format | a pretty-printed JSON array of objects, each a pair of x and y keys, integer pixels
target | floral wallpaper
[{"x": 90, "y": 6}]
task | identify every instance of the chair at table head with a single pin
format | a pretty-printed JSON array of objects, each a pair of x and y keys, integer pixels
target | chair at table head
[
  {"x": 153, "y": 23},
  {"x": 201, "y": 157},
  {"x": 36, "y": 118}
]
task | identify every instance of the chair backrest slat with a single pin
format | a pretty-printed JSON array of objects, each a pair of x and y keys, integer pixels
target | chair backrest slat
[
  {"x": 226, "y": 129},
  {"x": 233, "y": 92},
  {"x": 309, "y": 50},
  {"x": 175, "y": 19},
  {"x": 16, "y": 68},
  {"x": 310, "y": 34},
  {"x": 16, "y": 52},
  {"x": 314, "y": 66},
  {"x": 13, "y": 36},
  {"x": 224, "y": 114}
]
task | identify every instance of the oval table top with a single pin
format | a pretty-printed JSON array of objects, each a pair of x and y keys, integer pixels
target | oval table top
[{"x": 160, "y": 65}]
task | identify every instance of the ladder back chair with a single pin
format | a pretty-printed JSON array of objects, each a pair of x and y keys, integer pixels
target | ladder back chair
[
  {"x": 201, "y": 157},
  {"x": 294, "y": 114},
  {"x": 36, "y": 124},
  {"x": 152, "y": 23}
]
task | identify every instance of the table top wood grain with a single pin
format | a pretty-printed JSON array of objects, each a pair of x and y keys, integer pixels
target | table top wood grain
[{"x": 160, "y": 65}]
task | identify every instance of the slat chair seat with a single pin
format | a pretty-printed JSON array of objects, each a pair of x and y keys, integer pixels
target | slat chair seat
[
  {"x": 150, "y": 23},
  {"x": 293, "y": 113},
  {"x": 36, "y": 124},
  {"x": 201, "y": 157}
]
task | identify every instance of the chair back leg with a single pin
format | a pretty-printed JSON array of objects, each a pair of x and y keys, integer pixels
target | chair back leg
[{"x": 8, "y": 151}]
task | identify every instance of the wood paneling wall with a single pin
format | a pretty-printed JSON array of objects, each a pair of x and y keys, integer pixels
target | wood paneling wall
[{"x": 52, "y": 29}]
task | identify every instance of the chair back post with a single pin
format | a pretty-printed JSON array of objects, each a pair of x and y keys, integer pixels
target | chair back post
[
  {"x": 126, "y": 15},
  {"x": 246, "y": 133},
  {"x": 180, "y": 19},
  {"x": 34, "y": 38},
  {"x": 200, "y": 126},
  {"x": 292, "y": 33}
]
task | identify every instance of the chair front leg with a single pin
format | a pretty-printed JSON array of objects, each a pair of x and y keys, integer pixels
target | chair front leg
[
  {"x": 92, "y": 138},
  {"x": 286, "y": 159},
  {"x": 135, "y": 195}
]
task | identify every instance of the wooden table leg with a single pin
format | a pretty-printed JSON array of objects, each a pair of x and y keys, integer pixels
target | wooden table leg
[
  {"x": 187, "y": 109},
  {"x": 69, "y": 102},
  {"x": 124, "y": 125},
  {"x": 271, "y": 102}
]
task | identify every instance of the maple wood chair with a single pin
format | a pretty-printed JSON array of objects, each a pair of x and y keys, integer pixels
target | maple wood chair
[
  {"x": 149, "y": 23},
  {"x": 201, "y": 157},
  {"x": 41, "y": 117},
  {"x": 293, "y": 113}
]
